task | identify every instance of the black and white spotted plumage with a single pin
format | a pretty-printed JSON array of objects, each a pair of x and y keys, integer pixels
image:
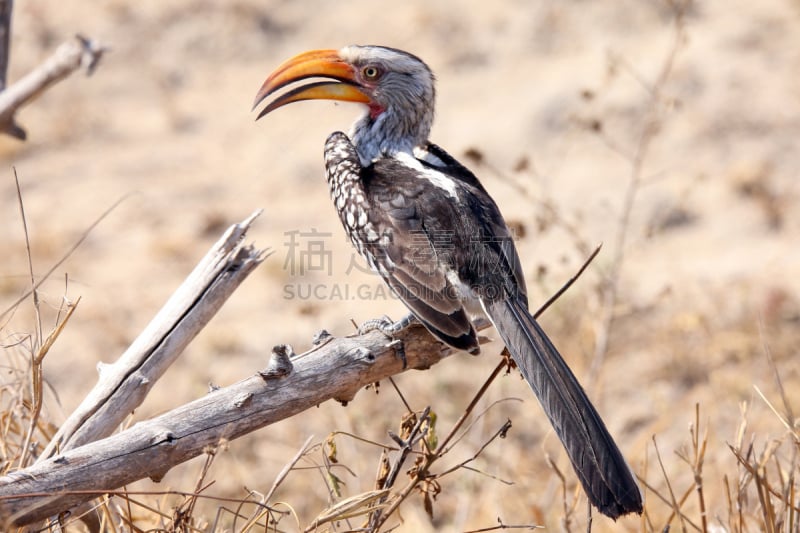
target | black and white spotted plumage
[
  {"x": 426, "y": 224},
  {"x": 404, "y": 229}
]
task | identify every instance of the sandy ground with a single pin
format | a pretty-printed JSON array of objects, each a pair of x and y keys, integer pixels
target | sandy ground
[{"x": 554, "y": 95}]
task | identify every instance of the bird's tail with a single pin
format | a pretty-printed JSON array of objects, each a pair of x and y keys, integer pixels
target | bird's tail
[{"x": 606, "y": 477}]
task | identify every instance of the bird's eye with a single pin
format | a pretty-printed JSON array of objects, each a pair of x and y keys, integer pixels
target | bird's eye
[{"x": 371, "y": 72}]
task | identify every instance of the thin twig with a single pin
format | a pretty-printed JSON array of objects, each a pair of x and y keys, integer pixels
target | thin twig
[
  {"x": 569, "y": 282},
  {"x": 477, "y": 418},
  {"x": 499, "y": 433},
  {"x": 379, "y": 516},
  {"x": 40, "y": 347},
  {"x": 400, "y": 394},
  {"x": 69, "y": 57},
  {"x": 788, "y": 414},
  {"x": 33, "y": 292},
  {"x": 501, "y": 526},
  {"x": 287, "y": 468},
  {"x": 442, "y": 448},
  {"x": 674, "y": 502},
  {"x": 6, "y": 8},
  {"x": 66, "y": 255},
  {"x": 37, "y": 380},
  {"x": 752, "y": 469},
  {"x": 651, "y": 124}
]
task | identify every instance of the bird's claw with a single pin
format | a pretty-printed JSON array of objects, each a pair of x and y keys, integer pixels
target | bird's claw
[
  {"x": 390, "y": 328},
  {"x": 386, "y": 325}
]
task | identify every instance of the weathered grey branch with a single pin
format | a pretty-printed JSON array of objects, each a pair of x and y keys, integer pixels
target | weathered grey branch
[
  {"x": 71, "y": 55},
  {"x": 123, "y": 385},
  {"x": 6, "y": 8},
  {"x": 337, "y": 368}
]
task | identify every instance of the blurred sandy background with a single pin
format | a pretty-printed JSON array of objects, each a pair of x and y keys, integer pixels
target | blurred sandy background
[{"x": 710, "y": 277}]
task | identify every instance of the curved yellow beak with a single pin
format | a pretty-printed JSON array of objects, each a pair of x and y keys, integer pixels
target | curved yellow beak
[{"x": 312, "y": 64}]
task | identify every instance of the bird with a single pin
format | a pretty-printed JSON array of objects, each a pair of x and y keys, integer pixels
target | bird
[{"x": 427, "y": 225}]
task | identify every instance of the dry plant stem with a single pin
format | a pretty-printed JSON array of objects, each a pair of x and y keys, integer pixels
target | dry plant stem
[
  {"x": 378, "y": 516},
  {"x": 58, "y": 263},
  {"x": 696, "y": 464},
  {"x": 699, "y": 451},
  {"x": 499, "y": 433},
  {"x": 406, "y": 447},
  {"x": 352, "y": 507},
  {"x": 288, "y": 468},
  {"x": 128, "y": 496},
  {"x": 788, "y": 416},
  {"x": 69, "y": 57},
  {"x": 186, "y": 510},
  {"x": 672, "y": 500},
  {"x": 569, "y": 282},
  {"x": 651, "y": 124},
  {"x": 589, "y": 517},
  {"x": 753, "y": 470},
  {"x": 33, "y": 293},
  {"x": 37, "y": 379},
  {"x": 564, "y": 492},
  {"x": 381, "y": 515},
  {"x": 36, "y": 369},
  {"x": 40, "y": 346},
  {"x": 251, "y": 521},
  {"x": 501, "y": 526},
  {"x": 123, "y": 385}
]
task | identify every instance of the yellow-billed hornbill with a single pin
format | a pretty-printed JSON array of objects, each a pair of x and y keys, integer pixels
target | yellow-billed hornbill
[{"x": 427, "y": 225}]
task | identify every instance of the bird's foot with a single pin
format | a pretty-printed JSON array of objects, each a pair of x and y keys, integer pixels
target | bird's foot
[
  {"x": 390, "y": 328},
  {"x": 386, "y": 325}
]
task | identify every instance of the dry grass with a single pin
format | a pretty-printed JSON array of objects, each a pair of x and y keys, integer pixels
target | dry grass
[{"x": 748, "y": 477}]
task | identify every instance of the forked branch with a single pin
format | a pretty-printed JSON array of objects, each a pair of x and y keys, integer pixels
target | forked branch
[{"x": 69, "y": 57}]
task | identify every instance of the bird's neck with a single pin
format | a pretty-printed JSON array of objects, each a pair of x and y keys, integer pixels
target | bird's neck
[{"x": 388, "y": 134}]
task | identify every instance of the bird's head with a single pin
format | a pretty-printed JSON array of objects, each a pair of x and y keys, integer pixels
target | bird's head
[{"x": 396, "y": 87}]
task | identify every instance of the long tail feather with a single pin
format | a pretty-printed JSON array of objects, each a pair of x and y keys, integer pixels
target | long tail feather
[{"x": 606, "y": 477}]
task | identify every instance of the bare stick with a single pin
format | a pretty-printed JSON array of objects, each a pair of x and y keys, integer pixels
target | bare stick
[
  {"x": 499, "y": 433},
  {"x": 69, "y": 57},
  {"x": 33, "y": 292},
  {"x": 6, "y": 8},
  {"x": 123, "y": 385},
  {"x": 569, "y": 282},
  {"x": 651, "y": 124}
]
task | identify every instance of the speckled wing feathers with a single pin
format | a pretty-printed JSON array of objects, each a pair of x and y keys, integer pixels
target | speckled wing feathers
[{"x": 388, "y": 232}]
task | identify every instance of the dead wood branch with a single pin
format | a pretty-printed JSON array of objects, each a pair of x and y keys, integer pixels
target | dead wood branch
[
  {"x": 337, "y": 369},
  {"x": 6, "y": 8},
  {"x": 123, "y": 385},
  {"x": 69, "y": 57}
]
